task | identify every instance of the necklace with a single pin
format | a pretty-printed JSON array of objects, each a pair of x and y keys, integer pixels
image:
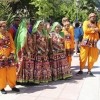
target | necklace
[{"x": 41, "y": 35}]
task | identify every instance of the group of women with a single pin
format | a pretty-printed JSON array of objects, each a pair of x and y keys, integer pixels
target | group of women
[{"x": 43, "y": 56}]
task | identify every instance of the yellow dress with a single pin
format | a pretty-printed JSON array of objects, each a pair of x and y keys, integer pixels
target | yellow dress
[{"x": 69, "y": 43}]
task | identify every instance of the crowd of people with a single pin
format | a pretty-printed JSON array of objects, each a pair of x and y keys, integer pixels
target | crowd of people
[{"x": 36, "y": 52}]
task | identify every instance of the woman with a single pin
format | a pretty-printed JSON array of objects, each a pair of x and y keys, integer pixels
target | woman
[
  {"x": 69, "y": 41},
  {"x": 48, "y": 25},
  {"x": 7, "y": 62},
  {"x": 42, "y": 71},
  {"x": 25, "y": 54},
  {"x": 59, "y": 63}
]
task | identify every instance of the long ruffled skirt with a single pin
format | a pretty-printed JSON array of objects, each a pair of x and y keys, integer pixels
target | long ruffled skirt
[
  {"x": 59, "y": 66},
  {"x": 42, "y": 70}
]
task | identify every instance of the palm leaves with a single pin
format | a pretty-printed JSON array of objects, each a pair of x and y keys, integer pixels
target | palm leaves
[{"x": 6, "y": 13}]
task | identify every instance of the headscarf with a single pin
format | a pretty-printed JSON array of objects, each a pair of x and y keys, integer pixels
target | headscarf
[
  {"x": 36, "y": 26},
  {"x": 54, "y": 26},
  {"x": 20, "y": 37},
  {"x": 92, "y": 15}
]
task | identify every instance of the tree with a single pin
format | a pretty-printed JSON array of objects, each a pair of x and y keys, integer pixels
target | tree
[
  {"x": 44, "y": 8},
  {"x": 55, "y": 9},
  {"x": 88, "y": 6},
  {"x": 6, "y": 13}
]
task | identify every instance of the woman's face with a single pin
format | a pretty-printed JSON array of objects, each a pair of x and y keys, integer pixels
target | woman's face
[
  {"x": 93, "y": 19},
  {"x": 58, "y": 28},
  {"x": 67, "y": 26},
  {"x": 41, "y": 26},
  {"x": 64, "y": 20},
  {"x": 3, "y": 28}
]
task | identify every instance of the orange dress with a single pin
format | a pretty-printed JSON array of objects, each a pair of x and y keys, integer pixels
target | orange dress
[
  {"x": 7, "y": 68},
  {"x": 69, "y": 43}
]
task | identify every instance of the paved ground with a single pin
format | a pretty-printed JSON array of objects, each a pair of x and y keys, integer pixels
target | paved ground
[{"x": 78, "y": 88}]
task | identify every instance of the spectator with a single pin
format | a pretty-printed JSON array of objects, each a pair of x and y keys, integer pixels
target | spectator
[
  {"x": 77, "y": 36},
  {"x": 13, "y": 29}
]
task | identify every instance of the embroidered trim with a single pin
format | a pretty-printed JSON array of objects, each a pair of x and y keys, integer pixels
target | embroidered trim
[{"x": 90, "y": 43}]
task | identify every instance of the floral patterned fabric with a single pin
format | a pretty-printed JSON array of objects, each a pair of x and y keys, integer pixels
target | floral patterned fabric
[
  {"x": 26, "y": 73},
  {"x": 58, "y": 61},
  {"x": 89, "y": 43},
  {"x": 42, "y": 70},
  {"x": 5, "y": 61},
  {"x": 68, "y": 44}
]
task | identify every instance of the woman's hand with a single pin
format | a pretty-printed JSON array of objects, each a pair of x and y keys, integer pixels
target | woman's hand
[
  {"x": 11, "y": 56},
  {"x": 29, "y": 55}
]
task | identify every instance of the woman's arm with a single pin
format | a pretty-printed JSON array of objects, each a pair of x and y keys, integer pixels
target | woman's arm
[
  {"x": 51, "y": 46},
  {"x": 34, "y": 41},
  {"x": 26, "y": 46}
]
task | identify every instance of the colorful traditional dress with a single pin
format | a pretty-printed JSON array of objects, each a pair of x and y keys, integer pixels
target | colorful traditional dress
[
  {"x": 42, "y": 71},
  {"x": 7, "y": 63},
  {"x": 26, "y": 72},
  {"x": 58, "y": 61},
  {"x": 5, "y": 43},
  {"x": 25, "y": 68},
  {"x": 88, "y": 46},
  {"x": 69, "y": 43}
]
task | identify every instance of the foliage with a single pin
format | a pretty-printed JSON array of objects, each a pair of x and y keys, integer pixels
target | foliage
[
  {"x": 8, "y": 0},
  {"x": 88, "y": 6},
  {"x": 44, "y": 8},
  {"x": 59, "y": 8},
  {"x": 6, "y": 13},
  {"x": 55, "y": 9}
]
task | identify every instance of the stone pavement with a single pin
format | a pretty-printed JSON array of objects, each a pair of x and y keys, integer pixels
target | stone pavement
[{"x": 78, "y": 88}]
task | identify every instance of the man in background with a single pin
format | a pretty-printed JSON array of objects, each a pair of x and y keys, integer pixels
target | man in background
[
  {"x": 13, "y": 29},
  {"x": 32, "y": 22}
]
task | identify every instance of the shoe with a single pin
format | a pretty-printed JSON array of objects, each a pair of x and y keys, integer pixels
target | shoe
[
  {"x": 75, "y": 55},
  {"x": 3, "y": 91},
  {"x": 89, "y": 73},
  {"x": 15, "y": 89},
  {"x": 79, "y": 73}
]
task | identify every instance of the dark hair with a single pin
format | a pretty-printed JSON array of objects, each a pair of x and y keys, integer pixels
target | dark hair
[
  {"x": 32, "y": 19},
  {"x": 16, "y": 17},
  {"x": 77, "y": 24},
  {"x": 48, "y": 19}
]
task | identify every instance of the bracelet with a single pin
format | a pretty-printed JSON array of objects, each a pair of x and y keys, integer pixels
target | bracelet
[
  {"x": 47, "y": 49},
  {"x": 39, "y": 52},
  {"x": 28, "y": 53},
  {"x": 53, "y": 50}
]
